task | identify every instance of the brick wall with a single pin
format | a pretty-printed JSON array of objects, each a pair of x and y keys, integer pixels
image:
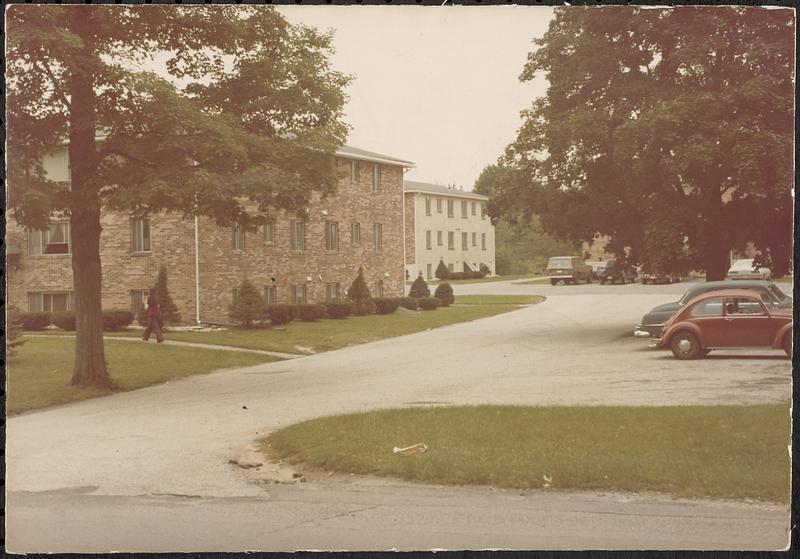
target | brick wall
[{"x": 409, "y": 225}]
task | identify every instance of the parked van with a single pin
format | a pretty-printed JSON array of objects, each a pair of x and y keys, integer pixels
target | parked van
[{"x": 569, "y": 269}]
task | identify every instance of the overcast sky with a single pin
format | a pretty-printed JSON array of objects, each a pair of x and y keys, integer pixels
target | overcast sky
[{"x": 438, "y": 86}]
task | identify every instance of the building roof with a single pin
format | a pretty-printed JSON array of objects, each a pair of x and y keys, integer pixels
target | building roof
[
  {"x": 364, "y": 155},
  {"x": 429, "y": 188}
]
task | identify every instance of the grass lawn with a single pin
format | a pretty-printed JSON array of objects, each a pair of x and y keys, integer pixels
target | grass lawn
[
  {"x": 326, "y": 335},
  {"x": 38, "y": 375},
  {"x": 689, "y": 451}
]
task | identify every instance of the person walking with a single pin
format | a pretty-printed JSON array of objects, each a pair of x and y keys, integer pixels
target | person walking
[{"x": 153, "y": 318}]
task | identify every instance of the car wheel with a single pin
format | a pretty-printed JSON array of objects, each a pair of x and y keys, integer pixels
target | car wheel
[
  {"x": 553, "y": 282},
  {"x": 685, "y": 345},
  {"x": 588, "y": 279},
  {"x": 787, "y": 344}
]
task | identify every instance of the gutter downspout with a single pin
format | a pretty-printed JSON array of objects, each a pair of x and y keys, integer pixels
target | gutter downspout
[{"x": 197, "y": 270}]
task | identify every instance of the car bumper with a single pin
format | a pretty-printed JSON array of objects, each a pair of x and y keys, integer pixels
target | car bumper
[
  {"x": 648, "y": 331},
  {"x": 641, "y": 333},
  {"x": 561, "y": 277},
  {"x": 746, "y": 276}
]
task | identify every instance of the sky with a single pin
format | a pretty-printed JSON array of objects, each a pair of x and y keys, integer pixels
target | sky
[{"x": 438, "y": 86}]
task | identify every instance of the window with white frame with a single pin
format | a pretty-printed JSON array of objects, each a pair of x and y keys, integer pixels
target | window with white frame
[
  {"x": 237, "y": 237},
  {"x": 428, "y": 240},
  {"x": 450, "y": 267},
  {"x": 377, "y": 290},
  {"x": 427, "y": 205},
  {"x": 429, "y": 271},
  {"x": 483, "y": 211},
  {"x": 355, "y": 234},
  {"x": 270, "y": 294},
  {"x": 463, "y": 209},
  {"x": 439, "y": 241},
  {"x": 54, "y": 301},
  {"x": 377, "y": 236},
  {"x": 376, "y": 178},
  {"x": 473, "y": 208},
  {"x": 483, "y": 241},
  {"x": 474, "y": 239},
  {"x": 138, "y": 300},
  {"x": 450, "y": 208},
  {"x": 140, "y": 234},
  {"x": 464, "y": 244},
  {"x": 332, "y": 236},
  {"x": 353, "y": 170},
  {"x": 451, "y": 240},
  {"x": 438, "y": 205},
  {"x": 269, "y": 233},
  {"x": 299, "y": 294},
  {"x": 56, "y": 239},
  {"x": 297, "y": 230},
  {"x": 333, "y": 291}
]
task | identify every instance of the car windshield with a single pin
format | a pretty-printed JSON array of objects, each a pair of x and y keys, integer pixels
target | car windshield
[
  {"x": 742, "y": 265},
  {"x": 559, "y": 263},
  {"x": 776, "y": 291}
]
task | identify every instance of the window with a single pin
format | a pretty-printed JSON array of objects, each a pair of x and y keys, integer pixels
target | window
[
  {"x": 438, "y": 205},
  {"x": 451, "y": 240},
  {"x": 709, "y": 307},
  {"x": 140, "y": 235},
  {"x": 333, "y": 291},
  {"x": 450, "y": 267},
  {"x": 429, "y": 271},
  {"x": 439, "y": 241},
  {"x": 377, "y": 236},
  {"x": 269, "y": 233},
  {"x": 742, "y": 306},
  {"x": 463, "y": 209},
  {"x": 331, "y": 236},
  {"x": 483, "y": 211},
  {"x": 473, "y": 208},
  {"x": 270, "y": 294},
  {"x": 355, "y": 234},
  {"x": 464, "y": 244},
  {"x": 238, "y": 237},
  {"x": 377, "y": 290},
  {"x": 427, "y": 205},
  {"x": 54, "y": 240},
  {"x": 297, "y": 241},
  {"x": 51, "y": 302},
  {"x": 483, "y": 241},
  {"x": 138, "y": 301},
  {"x": 376, "y": 178},
  {"x": 450, "y": 211},
  {"x": 474, "y": 239},
  {"x": 299, "y": 294},
  {"x": 428, "y": 241},
  {"x": 353, "y": 170}
]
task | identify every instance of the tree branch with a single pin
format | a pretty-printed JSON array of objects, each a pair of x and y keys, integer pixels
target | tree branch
[{"x": 56, "y": 89}]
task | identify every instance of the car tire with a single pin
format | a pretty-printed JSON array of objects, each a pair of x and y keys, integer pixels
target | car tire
[
  {"x": 588, "y": 279},
  {"x": 787, "y": 344},
  {"x": 553, "y": 282},
  {"x": 685, "y": 345}
]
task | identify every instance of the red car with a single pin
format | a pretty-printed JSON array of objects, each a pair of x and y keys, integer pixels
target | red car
[{"x": 727, "y": 319}]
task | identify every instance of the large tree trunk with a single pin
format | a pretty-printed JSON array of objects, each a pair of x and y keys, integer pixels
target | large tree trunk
[
  {"x": 90, "y": 363},
  {"x": 717, "y": 264}
]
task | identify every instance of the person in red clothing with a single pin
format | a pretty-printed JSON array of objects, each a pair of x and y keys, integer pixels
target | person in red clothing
[{"x": 153, "y": 318}]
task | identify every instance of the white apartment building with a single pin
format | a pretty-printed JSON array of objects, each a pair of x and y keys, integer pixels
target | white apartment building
[{"x": 449, "y": 224}]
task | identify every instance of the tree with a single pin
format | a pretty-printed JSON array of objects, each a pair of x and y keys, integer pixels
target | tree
[
  {"x": 14, "y": 339},
  {"x": 419, "y": 288},
  {"x": 248, "y": 304},
  {"x": 678, "y": 118},
  {"x": 251, "y": 129},
  {"x": 169, "y": 311},
  {"x": 442, "y": 271},
  {"x": 360, "y": 295}
]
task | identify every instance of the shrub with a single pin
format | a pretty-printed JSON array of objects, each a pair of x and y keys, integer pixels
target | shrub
[
  {"x": 141, "y": 318},
  {"x": 279, "y": 314},
  {"x": 311, "y": 312},
  {"x": 485, "y": 270},
  {"x": 419, "y": 288},
  {"x": 34, "y": 321},
  {"x": 169, "y": 311},
  {"x": 429, "y": 303},
  {"x": 64, "y": 320},
  {"x": 444, "y": 292},
  {"x": 294, "y": 311},
  {"x": 115, "y": 320},
  {"x": 14, "y": 338},
  {"x": 456, "y": 276},
  {"x": 248, "y": 305},
  {"x": 339, "y": 308},
  {"x": 410, "y": 303},
  {"x": 386, "y": 305},
  {"x": 442, "y": 272},
  {"x": 360, "y": 295}
]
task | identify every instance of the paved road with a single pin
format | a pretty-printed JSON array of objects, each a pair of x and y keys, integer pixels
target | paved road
[{"x": 155, "y": 461}]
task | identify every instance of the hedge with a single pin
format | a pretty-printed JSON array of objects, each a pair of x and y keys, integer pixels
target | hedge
[
  {"x": 311, "y": 312},
  {"x": 386, "y": 305},
  {"x": 65, "y": 320},
  {"x": 444, "y": 292},
  {"x": 410, "y": 303},
  {"x": 279, "y": 314},
  {"x": 34, "y": 321},
  {"x": 429, "y": 303},
  {"x": 339, "y": 309},
  {"x": 115, "y": 320}
]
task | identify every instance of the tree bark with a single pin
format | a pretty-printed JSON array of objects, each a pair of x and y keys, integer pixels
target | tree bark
[{"x": 90, "y": 363}]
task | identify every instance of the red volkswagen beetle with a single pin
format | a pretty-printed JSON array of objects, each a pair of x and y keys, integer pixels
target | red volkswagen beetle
[{"x": 729, "y": 319}]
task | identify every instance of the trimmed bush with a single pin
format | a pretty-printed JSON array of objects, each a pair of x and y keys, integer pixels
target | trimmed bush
[
  {"x": 294, "y": 311},
  {"x": 444, "y": 292},
  {"x": 386, "y": 305},
  {"x": 429, "y": 303},
  {"x": 34, "y": 321},
  {"x": 279, "y": 314},
  {"x": 115, "y": 320},
  {"x": 311, "y": 312},
  {"x": 14, "y": 339},
  {"x": 339, "y": 308},
  {"x": 410, "y": 303},
  {"x": 442, "y": 272},
  {"x": 64, "y": 320},
  {"x": 485, "y": 270},
  {"x": 360, "y": 295},
  {"x": 248, "y": 305},
  {"x": 419, "y": 288}
]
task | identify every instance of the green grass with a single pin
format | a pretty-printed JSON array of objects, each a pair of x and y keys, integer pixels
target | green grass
[
  {"x": 326, "y": 335},
  {"x": 694, "y": 451},
  {"x": 39, "y": 375}
]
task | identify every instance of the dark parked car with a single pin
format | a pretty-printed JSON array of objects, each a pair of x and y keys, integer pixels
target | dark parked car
[
  {"x": 570, "y": 269},
  {"x": 616, "y": 271},
  {"x": 653, "y": 321},
  {"x": 659, "y": 277},
  {"x": 727, "y": 319}
]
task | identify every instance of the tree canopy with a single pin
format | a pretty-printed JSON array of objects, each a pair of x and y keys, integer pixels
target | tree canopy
[{"x": 669, "y": 130}]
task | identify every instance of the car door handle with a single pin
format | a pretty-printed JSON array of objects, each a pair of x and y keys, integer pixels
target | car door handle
[{"x": 728, "y": 319}]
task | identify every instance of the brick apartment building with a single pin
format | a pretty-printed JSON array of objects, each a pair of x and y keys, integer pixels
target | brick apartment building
[
  {"x": 293, "y": 259},
  {"x": 447, "y": 224}
]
